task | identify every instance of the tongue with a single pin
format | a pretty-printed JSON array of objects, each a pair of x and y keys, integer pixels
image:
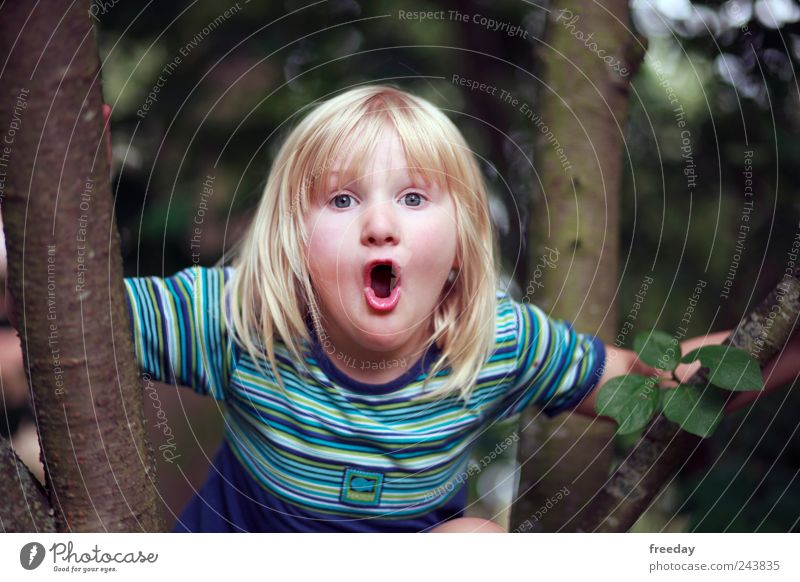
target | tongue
[{"x": 381, "y": 280}]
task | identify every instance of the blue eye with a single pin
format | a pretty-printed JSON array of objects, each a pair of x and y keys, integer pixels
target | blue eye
[
  {"x": 342, "y": 200},
  {"x": 413, "y": 199}
]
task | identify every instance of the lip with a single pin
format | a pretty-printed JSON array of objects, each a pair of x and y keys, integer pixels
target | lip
[{"x": 382, "y": 304}]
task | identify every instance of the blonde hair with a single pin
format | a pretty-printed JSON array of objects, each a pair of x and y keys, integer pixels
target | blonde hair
[{"x": 271, "y": 289}]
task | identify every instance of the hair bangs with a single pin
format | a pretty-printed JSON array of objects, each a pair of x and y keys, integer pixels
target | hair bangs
[
  {"x": 339, "y": 154},
  {"x": 343, "y": 144},
  {"x": 427, "y": 143}
]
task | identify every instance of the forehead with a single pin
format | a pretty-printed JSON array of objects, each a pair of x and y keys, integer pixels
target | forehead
[
  {"x": 386, "y": 154},
  {"x": 376, "y": 144}
]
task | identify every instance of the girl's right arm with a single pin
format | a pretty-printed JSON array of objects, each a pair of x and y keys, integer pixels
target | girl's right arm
[{"x": 178, "y": 329}]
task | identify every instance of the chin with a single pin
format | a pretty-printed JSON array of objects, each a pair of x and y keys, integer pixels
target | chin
[{"x": 381, "y": 339}]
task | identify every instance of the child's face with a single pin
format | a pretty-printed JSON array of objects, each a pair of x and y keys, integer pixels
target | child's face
[{"x": 384, "y": 215}]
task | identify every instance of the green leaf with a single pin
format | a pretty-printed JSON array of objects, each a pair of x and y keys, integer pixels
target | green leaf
[
  {"x": 657, "y": 349},
  {"x": 696, "y": 409},
  {"x": 630, "y": 400},
  {"x": 731, "y": 368}
]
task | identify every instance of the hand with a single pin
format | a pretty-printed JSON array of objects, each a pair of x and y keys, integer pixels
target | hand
[{"x": 781, "y": 370}]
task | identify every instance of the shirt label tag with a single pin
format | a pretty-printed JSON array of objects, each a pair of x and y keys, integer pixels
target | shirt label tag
[{"x": 361, "y": 487}]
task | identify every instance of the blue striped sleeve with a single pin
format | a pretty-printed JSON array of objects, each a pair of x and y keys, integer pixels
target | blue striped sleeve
[
  {"x": 556, "y": 367},
  {"x": 178, "y": 329}
]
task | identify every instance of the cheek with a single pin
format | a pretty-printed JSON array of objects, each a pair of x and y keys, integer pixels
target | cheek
[
  {"x": 437, "y": 241},
  {"x": 318, "y": 249},
  {"x": 317, "y": 239},
  {"x": 329, "y": 235},
  {"x": 325, "y": 246}
]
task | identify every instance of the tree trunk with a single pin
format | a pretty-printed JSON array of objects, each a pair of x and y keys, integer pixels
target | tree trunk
[
  {"x": 65, "y": 273},
  {"x": 664, "y": 448},
  {"x": 582, "y": 107},
  {"x": 25, "y": 506}
]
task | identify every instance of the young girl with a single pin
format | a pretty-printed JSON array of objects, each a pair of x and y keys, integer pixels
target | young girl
[{"x": 359, "y": 340}]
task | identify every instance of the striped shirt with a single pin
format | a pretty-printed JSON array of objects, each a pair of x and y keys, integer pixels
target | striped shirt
[{"x": 331, "y": 453}]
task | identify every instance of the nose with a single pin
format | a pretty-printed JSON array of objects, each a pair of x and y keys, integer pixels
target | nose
[{"x": 380, "y": 226}]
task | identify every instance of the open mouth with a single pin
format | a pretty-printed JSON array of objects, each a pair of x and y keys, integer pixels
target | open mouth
[
  {"x": 383, "y": 280},
  {"x": 382, "y": 284}
]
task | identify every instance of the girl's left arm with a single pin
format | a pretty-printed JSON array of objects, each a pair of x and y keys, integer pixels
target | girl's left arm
[{"x": 779, "y": 371}]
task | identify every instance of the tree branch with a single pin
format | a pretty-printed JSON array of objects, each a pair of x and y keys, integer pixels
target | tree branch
[
  {"x": 664, "y": 448},
  {"x": 583, "y": 103},
  {"x": 24, "y": 506},
  {"x": 65, "y": 273}
]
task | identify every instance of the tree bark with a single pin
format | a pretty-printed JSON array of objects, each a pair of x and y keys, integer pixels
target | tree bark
[
  {"x": 25, "y": 506},
  {"x": 65, "y": 273},
  {"x": 664, "y": 448},
  {"x": 583, "y": 104}
]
